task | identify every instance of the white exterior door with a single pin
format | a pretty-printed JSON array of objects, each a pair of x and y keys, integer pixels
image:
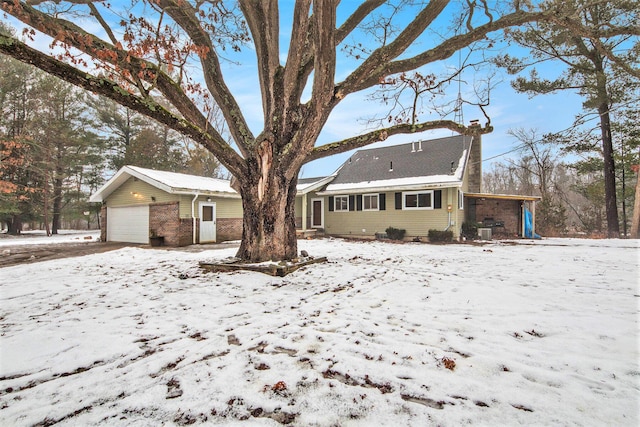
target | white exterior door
[
  {"x": 207, "y": 222},
  {"x": 128, "y": 224},
  {"x": 317, "y": 213}
]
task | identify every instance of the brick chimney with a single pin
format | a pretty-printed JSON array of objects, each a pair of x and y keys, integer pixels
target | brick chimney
[{"x": 475, "y": 160}]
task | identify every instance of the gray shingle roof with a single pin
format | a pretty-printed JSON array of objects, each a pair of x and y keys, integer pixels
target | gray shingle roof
[
  {"x": 306, "y": 181},
  {"x": 437, "y": 157}
]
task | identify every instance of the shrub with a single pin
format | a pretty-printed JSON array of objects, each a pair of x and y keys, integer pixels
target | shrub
[
  {"x": 395, "y": 233},
  {"x": 440, "y": 236},
  {"x": 469, "y": 230}
]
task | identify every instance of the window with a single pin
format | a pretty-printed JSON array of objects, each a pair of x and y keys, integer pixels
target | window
[
  {"x": 418, "y": 200},
  {"x": 460, "y": 200},
  {"x": 207, "y": 213},
  {"x": 370, "y": 202},
  {"x": 341, "y": 203}
]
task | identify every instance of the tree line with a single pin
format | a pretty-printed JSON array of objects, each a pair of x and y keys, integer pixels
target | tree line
[
  {"x": 571, "y": 186},
  {"x": 58, "y": 143}
]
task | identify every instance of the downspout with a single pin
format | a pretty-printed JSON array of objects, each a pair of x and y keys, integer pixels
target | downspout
[
  {"x": 193, "y": 218},
  {"x": 448, "y": 221}
]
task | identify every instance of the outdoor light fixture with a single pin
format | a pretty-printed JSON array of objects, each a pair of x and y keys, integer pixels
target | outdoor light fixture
[
  {"x": 153, "y": 198},
  {"x": 208, "y": 199}
]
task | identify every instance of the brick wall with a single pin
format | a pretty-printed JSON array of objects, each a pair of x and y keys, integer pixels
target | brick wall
[
  {"x": 500, "y": 210},
  {"x": 164, "y": 219},
  {"x": 186, "y": 232},
  {"x": 228, "y": 229}
]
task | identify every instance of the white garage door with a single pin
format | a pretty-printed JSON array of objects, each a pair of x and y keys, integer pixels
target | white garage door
[{"x": 128, "y": 224}]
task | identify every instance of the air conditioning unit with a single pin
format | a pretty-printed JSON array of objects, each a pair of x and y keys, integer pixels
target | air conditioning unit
[{"x": 484, "y": 233}]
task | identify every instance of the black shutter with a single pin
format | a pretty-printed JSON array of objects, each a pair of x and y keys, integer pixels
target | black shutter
[
  {"x": 330, "y": 203},
  {"x": 398, "y": 200},
  {"x": 382, "y": 201},
  {"x": 352, "y": 205},
  {"x": 359, "y": 202},
  {"x": 437, "y": 199}
]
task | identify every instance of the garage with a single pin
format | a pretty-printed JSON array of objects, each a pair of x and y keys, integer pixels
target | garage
[
  {"x": 137, "y": 203},
  {"x": 128, "y": 224}
]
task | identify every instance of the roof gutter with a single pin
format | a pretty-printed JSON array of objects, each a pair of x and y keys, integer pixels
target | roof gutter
[
  {"x": 389, "y": 188},
  {"x": 228, "y": 195},
  {"x": 314, "y": 186}
]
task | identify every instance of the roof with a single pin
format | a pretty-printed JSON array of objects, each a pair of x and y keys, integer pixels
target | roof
[
  {"x": 502, "y": 196},
  {"x": 305, "y": 185},
  {"x": 171, "y": 182},
  {"x": 434, "y": 163}
]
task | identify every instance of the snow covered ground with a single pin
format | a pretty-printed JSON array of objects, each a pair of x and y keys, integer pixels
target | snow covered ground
[
  {"x": 526, "y": 333},
  {"x": 39, "y": 237}
]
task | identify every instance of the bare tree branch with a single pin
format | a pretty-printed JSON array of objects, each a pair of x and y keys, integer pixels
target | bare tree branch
[
  {"x": 370, "y": 70},
  {"x": 382, "y": 134},
  {"x": 102, "y": 51},
  {"x": 299, "y": 48},
  {"x": 185, "y": 16},
  {"x": 112, "y": 90},
  {"x": 325, "y": 54},
  {"x": 262, "y": 18},
  {"x": 440, "y": 52}
]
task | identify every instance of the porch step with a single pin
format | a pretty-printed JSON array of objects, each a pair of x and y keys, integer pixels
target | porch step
[{"x": 310, "y": 233}]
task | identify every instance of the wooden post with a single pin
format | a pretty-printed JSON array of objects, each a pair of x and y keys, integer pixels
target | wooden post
[
  {"x": 533, "y": 219},
  {"x": 523, "y": 220},
  {"x": 304, "y": 213}
]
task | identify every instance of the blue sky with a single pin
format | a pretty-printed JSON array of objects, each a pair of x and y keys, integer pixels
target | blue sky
[{"x": 508, "y": 109}]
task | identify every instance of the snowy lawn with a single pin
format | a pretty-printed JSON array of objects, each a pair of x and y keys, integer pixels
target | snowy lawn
[
  {"x": 39, "y": 237},
  {"x": 528, "y": 333}
]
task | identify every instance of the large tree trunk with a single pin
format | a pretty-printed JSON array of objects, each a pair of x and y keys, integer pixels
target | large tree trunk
[
  {"x": 269, "y": 231},
  {"x": 57, "y": 206},
  {"x": 613, "y": 225},
  {"x": 14, "y": 225}
]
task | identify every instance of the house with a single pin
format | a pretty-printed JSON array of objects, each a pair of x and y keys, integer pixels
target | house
[
  {"x": 418, "y": 186},
  {"x": 139, "y": 203}
]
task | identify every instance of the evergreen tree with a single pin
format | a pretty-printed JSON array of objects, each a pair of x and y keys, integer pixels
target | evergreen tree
[{"x": 595, "y": 57}]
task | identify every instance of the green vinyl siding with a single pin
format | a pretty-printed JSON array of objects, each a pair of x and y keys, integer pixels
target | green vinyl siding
[
  {"x": 368, "y": 223},
  {"x": 137, "y": 192},
  {"x": 228, "y": 208},
  {"x": 298, "y": 206},
  {"x": 310, "y": 196}
]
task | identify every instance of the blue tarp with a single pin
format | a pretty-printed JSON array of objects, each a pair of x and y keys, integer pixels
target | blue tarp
[{"x": 528, "y": 225}]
